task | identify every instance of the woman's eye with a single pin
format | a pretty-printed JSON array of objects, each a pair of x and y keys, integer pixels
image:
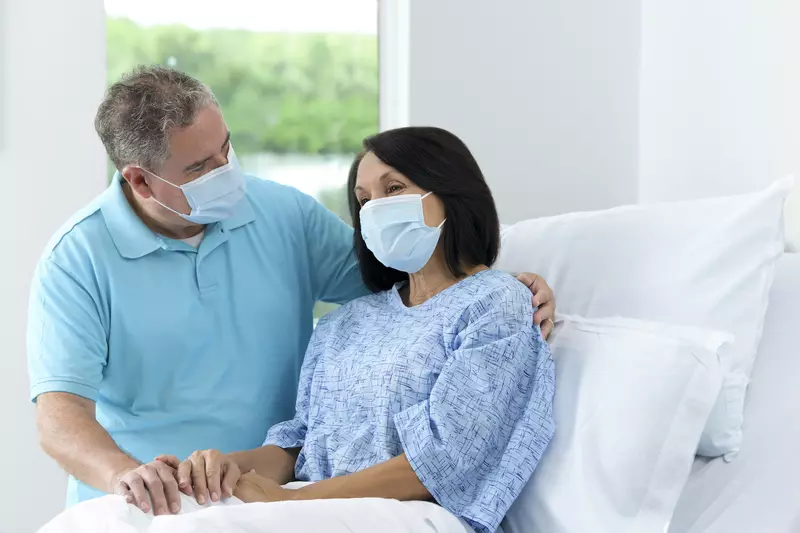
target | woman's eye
[
  {"x": 363, "y": 201},
  {"x": 393, "y": 189}
]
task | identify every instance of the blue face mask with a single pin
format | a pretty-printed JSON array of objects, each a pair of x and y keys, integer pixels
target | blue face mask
[
  {"x": 394, "y": 230},
  {"x": 213, "y": 196}
]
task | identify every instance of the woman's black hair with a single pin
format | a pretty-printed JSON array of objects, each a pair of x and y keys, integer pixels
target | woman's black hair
[{"x": 435, "y": 160}]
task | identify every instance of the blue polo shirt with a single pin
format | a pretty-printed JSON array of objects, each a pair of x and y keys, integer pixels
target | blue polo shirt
[{"x": 184, "y": 348}]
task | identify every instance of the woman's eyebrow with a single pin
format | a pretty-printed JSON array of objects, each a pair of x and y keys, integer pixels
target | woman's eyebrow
[{"x": 386, "y": 175}]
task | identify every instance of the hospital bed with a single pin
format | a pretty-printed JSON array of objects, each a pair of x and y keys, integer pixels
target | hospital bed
[{"x": 759, "y": 491}]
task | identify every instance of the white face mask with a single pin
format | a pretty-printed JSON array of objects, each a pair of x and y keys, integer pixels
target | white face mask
[
  {"x": 394, "y": 230},
  {"x": 213, "y": 196}
]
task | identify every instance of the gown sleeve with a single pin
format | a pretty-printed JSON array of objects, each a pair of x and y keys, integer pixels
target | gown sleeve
[
  {"x": 477, "y": 439},
  {"x": 292, "y": 433}
]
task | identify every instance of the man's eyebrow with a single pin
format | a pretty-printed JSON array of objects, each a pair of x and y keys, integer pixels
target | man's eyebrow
[{"x": 203, "y": 162}]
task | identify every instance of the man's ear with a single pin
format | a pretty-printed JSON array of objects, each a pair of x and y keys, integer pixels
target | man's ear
[{"x": 137, "y": 179}]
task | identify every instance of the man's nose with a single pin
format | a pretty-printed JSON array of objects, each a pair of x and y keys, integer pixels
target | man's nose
[{"x": 219, "y": 160}]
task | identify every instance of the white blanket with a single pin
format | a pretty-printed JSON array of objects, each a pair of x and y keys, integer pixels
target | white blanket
[{"x": 111, "y": 514}]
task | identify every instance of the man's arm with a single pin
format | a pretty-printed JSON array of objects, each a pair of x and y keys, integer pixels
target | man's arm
[
  {"x": 70, "y": 434},
  {"x": 67, "y": 352},
  {"x": 335, "y": 275}
]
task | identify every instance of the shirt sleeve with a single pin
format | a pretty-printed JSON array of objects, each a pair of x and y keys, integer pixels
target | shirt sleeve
[
  {"x": 292, "y": 433},
  {"x": 335, "y": 276},
  {"x": 67, "y": 347},
  {"x": 477, "y": 439}
]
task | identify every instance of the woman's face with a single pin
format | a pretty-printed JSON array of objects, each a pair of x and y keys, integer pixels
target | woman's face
[{"x": 376, "y": 179}]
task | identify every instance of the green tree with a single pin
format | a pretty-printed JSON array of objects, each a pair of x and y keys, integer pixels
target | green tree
[
  {"x": 335, "y": 199},
  {"x": 280, "y": 92}
]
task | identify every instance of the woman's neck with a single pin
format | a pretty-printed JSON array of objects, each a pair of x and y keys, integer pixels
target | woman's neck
[{"x": 432, "y": 279}]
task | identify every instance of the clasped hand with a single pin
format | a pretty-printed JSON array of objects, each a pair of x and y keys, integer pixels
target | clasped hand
[{"x": 208, "y": 475}]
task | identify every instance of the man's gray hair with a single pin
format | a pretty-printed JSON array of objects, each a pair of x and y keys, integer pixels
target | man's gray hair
[{"x": 139, "y": 112}]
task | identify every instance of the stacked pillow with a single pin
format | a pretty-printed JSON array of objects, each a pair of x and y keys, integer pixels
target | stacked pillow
[
  {"x": 706, "y": 265},
  {"x": 631, "y": 401}
]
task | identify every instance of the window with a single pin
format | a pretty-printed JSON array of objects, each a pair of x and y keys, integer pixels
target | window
[{"x": 297, "y": 80}]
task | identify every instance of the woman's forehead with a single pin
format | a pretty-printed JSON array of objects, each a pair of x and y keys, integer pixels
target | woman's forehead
[{"x": 370, "y": 170}]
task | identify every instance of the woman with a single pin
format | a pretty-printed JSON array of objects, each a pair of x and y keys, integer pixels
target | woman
[{"x": 435, "y": 387}]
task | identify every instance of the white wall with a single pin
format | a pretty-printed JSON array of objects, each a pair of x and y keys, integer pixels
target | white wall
[
  {"x": 50, "y": 164},
  {"x": 544, "y": 93},
  {"x": 720, "y": 96},
  {"x": 579, "y": 104},
  {"x": 548, "y": 95}
]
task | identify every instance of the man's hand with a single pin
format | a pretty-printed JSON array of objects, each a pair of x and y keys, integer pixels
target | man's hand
[
  {"x": 208, "y": 474},
  {"x": 254, "y": 488},
  {"x": 543, "y": 299},
  {"x": 157, "y": 479}
]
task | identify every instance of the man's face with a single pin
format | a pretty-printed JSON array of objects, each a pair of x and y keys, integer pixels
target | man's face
[{"x": 194, "y": 151}]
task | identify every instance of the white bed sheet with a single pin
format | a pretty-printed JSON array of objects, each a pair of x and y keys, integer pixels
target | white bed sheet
[
  {"x": 111, "y": 514},
  {"x": 759, "y": 492}
]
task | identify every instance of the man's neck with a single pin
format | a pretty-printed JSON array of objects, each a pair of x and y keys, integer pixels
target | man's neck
[{"x": 172, "y": 232}]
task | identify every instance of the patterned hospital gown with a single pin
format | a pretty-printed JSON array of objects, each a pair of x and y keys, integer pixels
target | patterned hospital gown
[{"x": 462, "y": 384}]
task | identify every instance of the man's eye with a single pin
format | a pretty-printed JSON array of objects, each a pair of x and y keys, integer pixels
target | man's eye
[{"x": 363, "y": 201}]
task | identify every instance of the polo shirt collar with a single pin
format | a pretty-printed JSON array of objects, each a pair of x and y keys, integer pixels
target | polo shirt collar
[
  {"x": 243, "y": 214},
  {"x": 132, "y": 238}
]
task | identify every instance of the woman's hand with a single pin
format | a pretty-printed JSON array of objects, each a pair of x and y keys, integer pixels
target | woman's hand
[
  {"x": 208, "y": 474},
  {"x": 254, "y": 488},
  {"x": 543, "y": 299}
]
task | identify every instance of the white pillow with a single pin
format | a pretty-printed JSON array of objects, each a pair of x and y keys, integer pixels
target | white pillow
[
  {"x": 630, "y": 404},
  {"x": 705, "y": 263}
]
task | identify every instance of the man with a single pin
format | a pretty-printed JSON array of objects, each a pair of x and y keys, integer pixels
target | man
[{"x": 172, "y": 313}]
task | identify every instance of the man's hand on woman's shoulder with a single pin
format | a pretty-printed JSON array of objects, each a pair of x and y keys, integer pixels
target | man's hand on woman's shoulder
[{"x": 542, "y": 299}]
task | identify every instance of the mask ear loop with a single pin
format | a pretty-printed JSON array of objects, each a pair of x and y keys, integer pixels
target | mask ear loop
[
  {"x": 159, "y": 177},
  {"x": 425, "y": 196},
  {"x": 168, "y": 183},
  {"x": 168, "y": 208}
]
